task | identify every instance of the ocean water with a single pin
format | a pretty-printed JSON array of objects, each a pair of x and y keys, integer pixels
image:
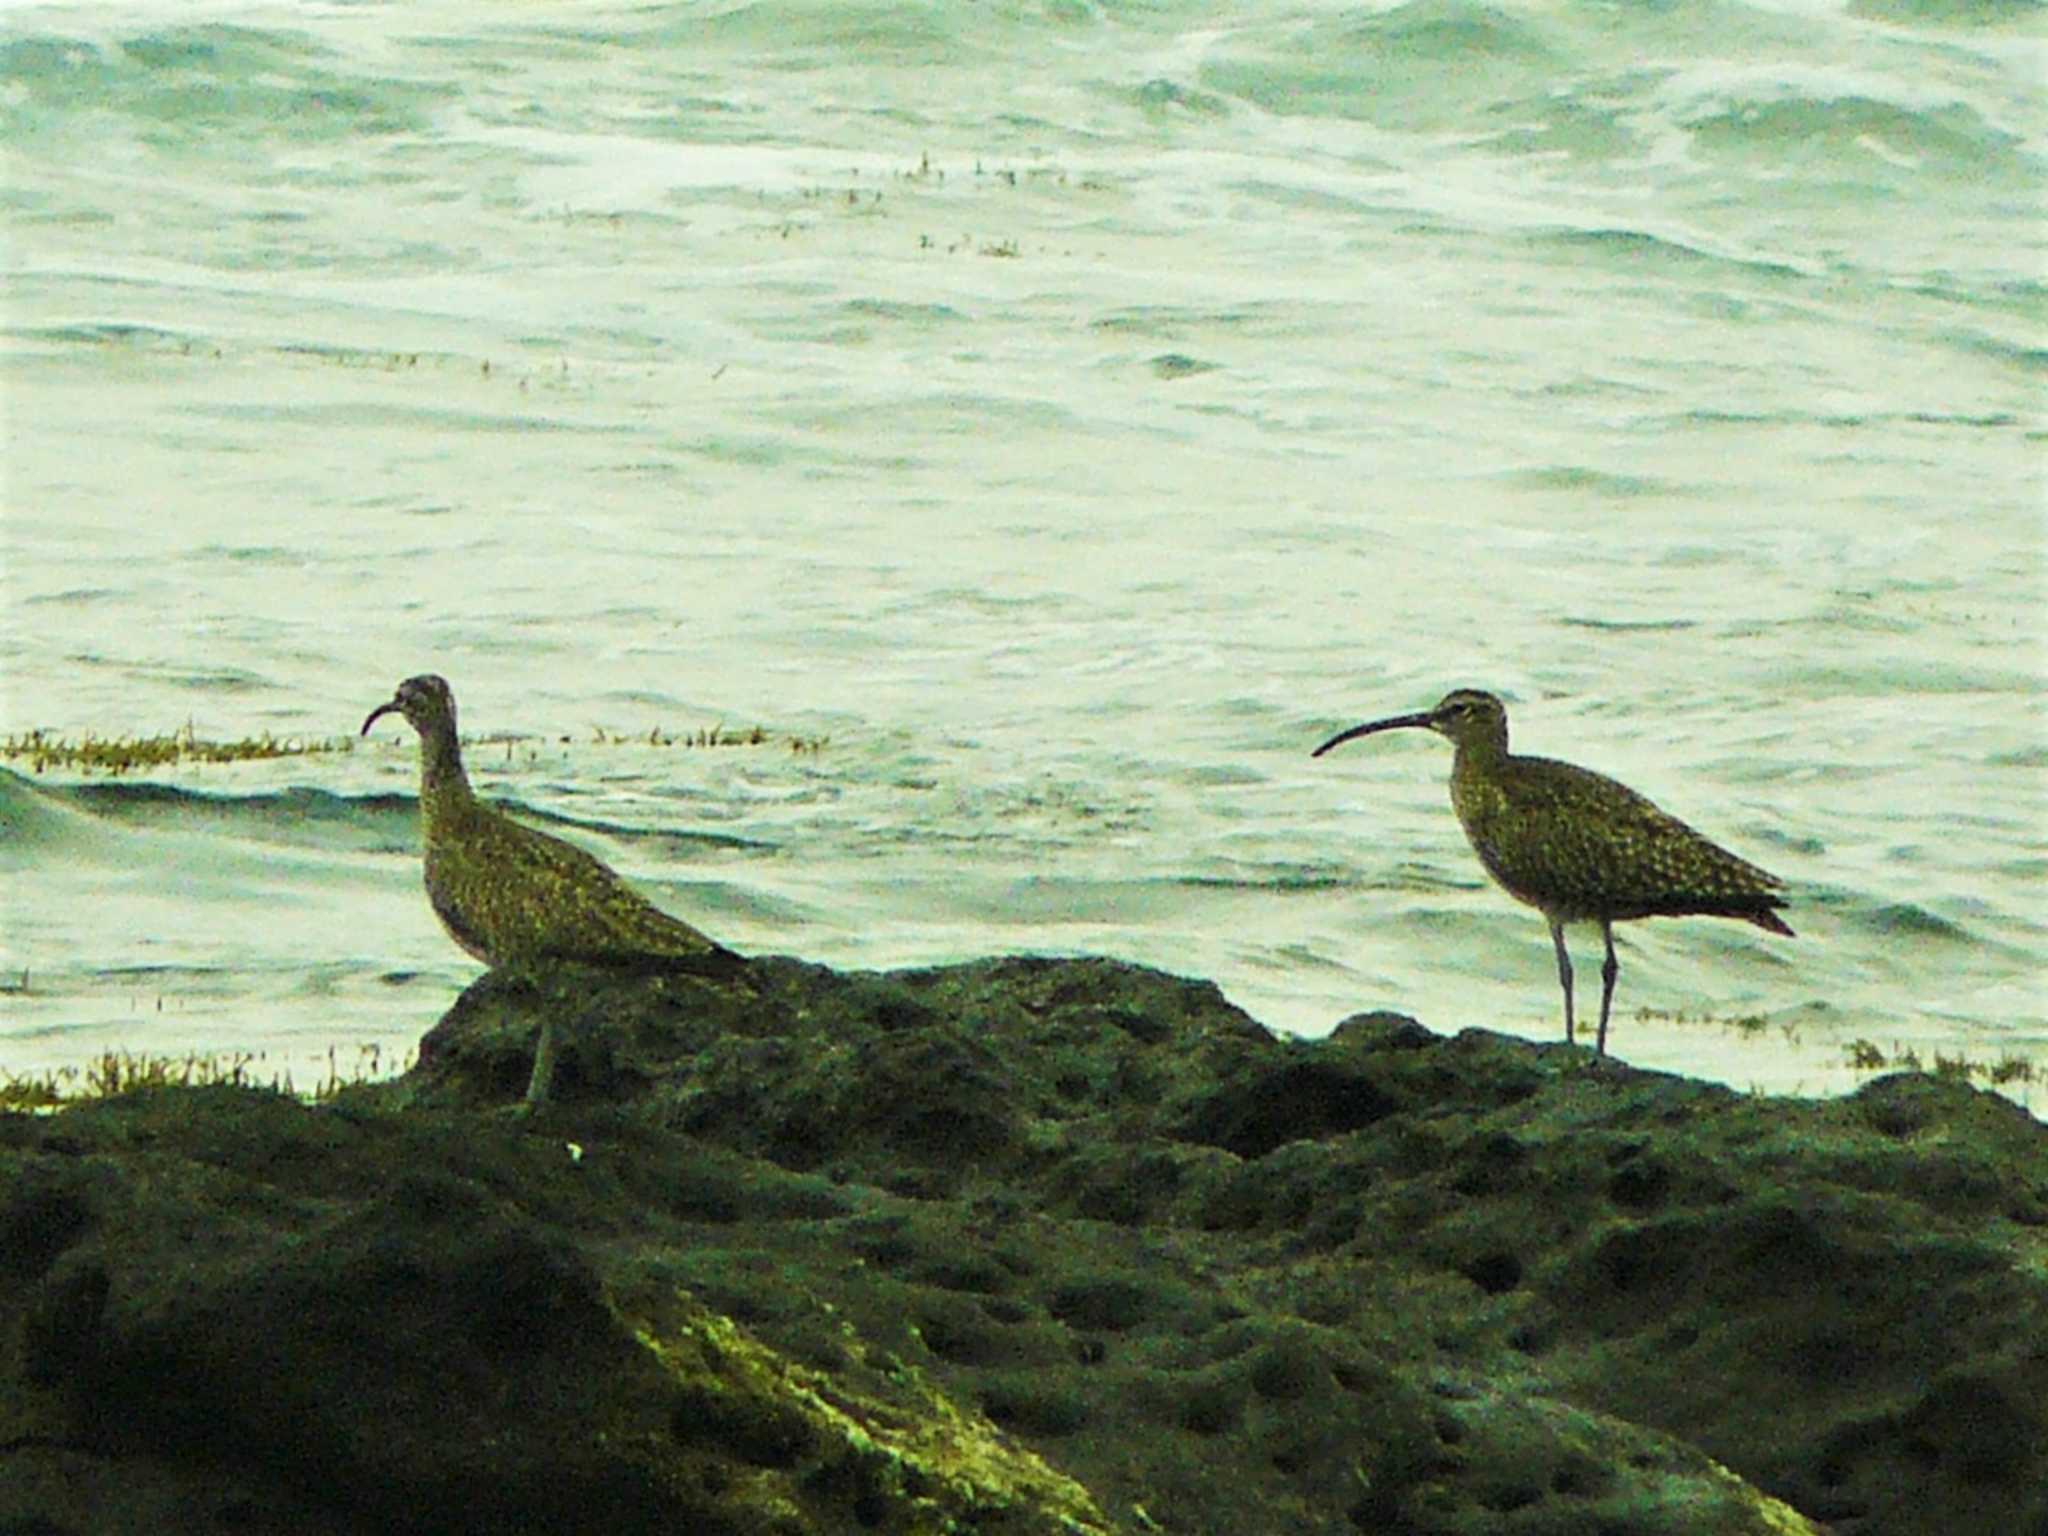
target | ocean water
[{"x": 1071, "y": 413}]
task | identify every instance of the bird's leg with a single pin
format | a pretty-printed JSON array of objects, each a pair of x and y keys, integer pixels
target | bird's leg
[
  {"x": 1564, "y": 978},
  {"x": 543, "y": 1066},
  {"x": 1610, "y": 969}
]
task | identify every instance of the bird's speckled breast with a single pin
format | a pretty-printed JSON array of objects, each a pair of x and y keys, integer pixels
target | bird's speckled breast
[
  {"x": 1483, "y": 811},
  {"x": 449, "y": 884}
]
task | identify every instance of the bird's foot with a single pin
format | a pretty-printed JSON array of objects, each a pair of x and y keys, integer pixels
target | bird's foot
[{"x": 1593, "y": 1064}]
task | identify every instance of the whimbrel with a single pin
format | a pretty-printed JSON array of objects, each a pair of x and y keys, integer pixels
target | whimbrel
[
  {"x": 517, "y": 898},
  {"x": 1575, "y": 844}
]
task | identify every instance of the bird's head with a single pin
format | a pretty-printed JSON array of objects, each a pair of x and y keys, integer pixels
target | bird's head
[
  {"x": 427, "y": 703},
  {"x": 1469, "y": 717}
]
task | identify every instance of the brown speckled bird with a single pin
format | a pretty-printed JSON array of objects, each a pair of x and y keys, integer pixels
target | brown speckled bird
[
  {"x": 515, "y": 897},
  {"x": 1576, "y": 845}
]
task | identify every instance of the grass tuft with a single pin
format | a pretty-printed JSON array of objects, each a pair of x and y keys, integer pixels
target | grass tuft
[
  {"x": 1867, "y": 1056},
  {"x": 115, "y": 1072},
  {"x": 117, "y": 755},
  {"x": 1747, "y": 1023}
]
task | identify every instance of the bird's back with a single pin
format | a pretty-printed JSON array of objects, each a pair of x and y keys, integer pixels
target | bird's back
[
  {"x": 512, "y": 895},
  {"x": 1579, "y": 845}
]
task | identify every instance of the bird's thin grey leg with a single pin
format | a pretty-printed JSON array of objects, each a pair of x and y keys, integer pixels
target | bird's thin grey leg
[
  {"x": 543, "y": 1066},
  {"x": 1564, "y": 978},
  {"x": 1608, "y": 971}
]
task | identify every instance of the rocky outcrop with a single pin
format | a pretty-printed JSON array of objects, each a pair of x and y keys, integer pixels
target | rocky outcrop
[{"x": 1019, "y": 1246}]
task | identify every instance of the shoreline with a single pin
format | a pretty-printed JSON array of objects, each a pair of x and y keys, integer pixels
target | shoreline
[{"x": 1812, "y": 1056}]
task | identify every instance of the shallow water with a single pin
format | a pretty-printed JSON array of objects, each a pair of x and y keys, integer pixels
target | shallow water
[{"x": 1073, "y": 414}]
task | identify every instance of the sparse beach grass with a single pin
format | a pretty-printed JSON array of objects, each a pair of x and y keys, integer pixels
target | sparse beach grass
[
  {"x": 115, "y": 1072},
  {"x": 115, "y": 756},
  {"x": 1868, "y": 1059},
  {"x": 2006, "y": 1069},
  {"x": 1747, "y": 1023}
]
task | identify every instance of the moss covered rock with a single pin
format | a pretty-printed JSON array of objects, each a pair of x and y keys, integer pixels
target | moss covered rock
[{"x": 1020, "y": 1246}]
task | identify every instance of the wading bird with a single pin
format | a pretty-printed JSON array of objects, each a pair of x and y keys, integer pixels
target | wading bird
[
  {"x": 1576, "y": 845},
  {"x": 518, "y": 898}
]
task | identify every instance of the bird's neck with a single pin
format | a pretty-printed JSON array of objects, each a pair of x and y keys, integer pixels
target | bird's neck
[
  {"x": 1480, "y": 754},
  {"x": 444, "y": 787},
  {"x": 1476, "y": 774}
]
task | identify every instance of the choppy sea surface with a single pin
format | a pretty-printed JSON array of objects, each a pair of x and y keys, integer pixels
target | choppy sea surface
[{"x": 1071, "y": 413}]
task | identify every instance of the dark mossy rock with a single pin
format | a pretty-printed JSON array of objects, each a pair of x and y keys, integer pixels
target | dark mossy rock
[
  {"x": 1016, "y": 1246},
  {"x": 362, "y": 1320}
]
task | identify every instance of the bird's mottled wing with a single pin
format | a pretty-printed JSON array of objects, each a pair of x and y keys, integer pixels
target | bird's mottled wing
[
  {"x": 1579, "y": 844},
  {"x": 526, "y": 895}
]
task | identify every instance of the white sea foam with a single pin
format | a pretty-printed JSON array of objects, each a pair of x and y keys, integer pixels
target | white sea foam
[{"x": 1072, "y": 420}]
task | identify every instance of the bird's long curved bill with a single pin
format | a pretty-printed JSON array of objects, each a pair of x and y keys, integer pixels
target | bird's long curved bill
[
  {"x": 377, "y": 714},
  {"x": 1391, "y": 724}
]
